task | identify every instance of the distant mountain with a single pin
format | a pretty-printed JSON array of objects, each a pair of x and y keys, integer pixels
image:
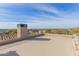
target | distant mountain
[{"x": 3, "y": 30}]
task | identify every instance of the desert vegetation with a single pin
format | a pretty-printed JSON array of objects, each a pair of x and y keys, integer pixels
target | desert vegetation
[
  {"x": 63, "y": 31},
  {"x": 11, "y": 31},
  {"x": 69, "y": 31}
]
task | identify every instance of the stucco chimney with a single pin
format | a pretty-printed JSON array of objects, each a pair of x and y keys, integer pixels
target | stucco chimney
[{"x": 22, "y": 30}]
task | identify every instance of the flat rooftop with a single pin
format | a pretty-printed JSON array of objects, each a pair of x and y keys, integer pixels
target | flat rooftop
[{"x": 48, "y": 45}]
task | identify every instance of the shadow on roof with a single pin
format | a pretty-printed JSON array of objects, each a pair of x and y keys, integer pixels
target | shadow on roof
[
  {"x": 40, "y": 39},
  {"x": 10, "y": 53}
]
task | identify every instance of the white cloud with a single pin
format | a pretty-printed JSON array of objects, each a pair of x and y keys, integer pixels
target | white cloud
[
  {"x": 8, "y": 25},
  {"x": 47, "y": 8},
  {"x": 41, "y": 20}
]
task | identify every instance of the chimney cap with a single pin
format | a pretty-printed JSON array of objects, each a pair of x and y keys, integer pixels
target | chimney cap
[{"x": 21, "y": 25}]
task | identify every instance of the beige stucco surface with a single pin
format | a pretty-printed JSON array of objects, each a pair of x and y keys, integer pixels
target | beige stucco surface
[{"x": 48, "y": 45}]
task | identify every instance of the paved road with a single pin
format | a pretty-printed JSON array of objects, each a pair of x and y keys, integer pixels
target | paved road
[{"x": 49, "y": 45}]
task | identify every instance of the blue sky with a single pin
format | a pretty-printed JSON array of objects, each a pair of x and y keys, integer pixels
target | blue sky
[{"x": 43, "y": 15}]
